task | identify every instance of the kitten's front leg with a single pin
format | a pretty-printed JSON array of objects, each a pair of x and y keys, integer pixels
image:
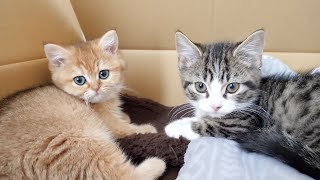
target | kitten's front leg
[
  {"x": 227, "y": 127},
  {"x": 120, "y": 129},
  {"x": 182, "y": 127},
  {"x": 114, "y": 119}
]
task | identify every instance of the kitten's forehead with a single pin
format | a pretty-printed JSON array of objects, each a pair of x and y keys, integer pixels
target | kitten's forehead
[
  {"x": 217, "y": 60},
  {"x": 87, "y": 56},
  {"x": 217, "y": 63}
]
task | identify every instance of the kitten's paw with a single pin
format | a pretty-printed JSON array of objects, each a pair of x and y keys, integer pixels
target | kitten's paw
[
  {"x": 126, "y": 118},
  {"x": 151, "y": 168},
  {"x": 182, "y": 127},
  {"x": 196, "y": 127},
  {"x": 147, "y": 128},
  {"x": 154, "y": 165}
]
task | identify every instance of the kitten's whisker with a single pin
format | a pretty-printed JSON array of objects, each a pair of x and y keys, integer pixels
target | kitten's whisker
[
  {"x": 190, "y": 111},
  {"x": 180, "y": 107},
  {"x": 86, "y": 101},
  {"x": 256, "y": 112},
  {"x": 177, "y": 107},
  {"x": 260, "y": 108},
  {"x": 180, "y": 111},
  {"x": 256, "y": 108},
  {"x": 174, "y": 108},
  {"x": 267, "y": 119},
  {"x": 86, "y": 98},
  {"x": 187, "y": 109},
  {"x": 249, "y": 114}
]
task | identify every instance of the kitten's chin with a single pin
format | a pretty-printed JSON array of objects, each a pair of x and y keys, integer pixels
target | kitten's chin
[
  {"x": 95, "y": 99},
  {"x": 215, "y": 114}
]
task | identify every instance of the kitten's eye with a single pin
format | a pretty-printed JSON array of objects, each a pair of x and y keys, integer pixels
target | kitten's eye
[
  {"x": 233, "y": 87},
  {"x": 104, "y": 74},
  {"x": 79, "y": 80},
  {"x": 200, "y": 87}
]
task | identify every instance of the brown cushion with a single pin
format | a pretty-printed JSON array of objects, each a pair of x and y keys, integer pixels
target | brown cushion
[{"x": 140, "y": 146}]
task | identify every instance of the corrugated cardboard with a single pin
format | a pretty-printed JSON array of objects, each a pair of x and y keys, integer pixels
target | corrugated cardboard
[
  {"x": 292, "y": 25},
  {"x": 26, "y": 25}
]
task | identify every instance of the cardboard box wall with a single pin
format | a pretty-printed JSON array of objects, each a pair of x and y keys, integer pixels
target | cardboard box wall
[{"x": 293, "y": 34}]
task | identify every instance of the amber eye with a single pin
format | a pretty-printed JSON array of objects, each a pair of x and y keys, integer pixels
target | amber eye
[
  {"x": 233, "y": 88},
  {"x": 79, "y": 80},
  {"x": 200, "y": 87}
]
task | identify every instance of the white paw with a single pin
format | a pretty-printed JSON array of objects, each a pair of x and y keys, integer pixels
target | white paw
[{"x": 181, "y": 127}]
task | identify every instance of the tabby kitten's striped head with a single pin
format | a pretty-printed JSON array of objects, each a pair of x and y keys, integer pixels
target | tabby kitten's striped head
[
  {"x": 219, "y": 78},
  {"x": 91, "y": 70}
]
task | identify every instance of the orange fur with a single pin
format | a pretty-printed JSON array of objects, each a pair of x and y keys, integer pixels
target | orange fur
[{"x": 51, "y": 133}]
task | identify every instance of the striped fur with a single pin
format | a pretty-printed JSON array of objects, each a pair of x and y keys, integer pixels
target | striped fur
[{"x": 275, "y": 116}]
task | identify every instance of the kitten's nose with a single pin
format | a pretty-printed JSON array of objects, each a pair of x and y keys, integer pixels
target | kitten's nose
[
  {"x": 96, "y": 89},
  {"x": 216, "y": 107}
]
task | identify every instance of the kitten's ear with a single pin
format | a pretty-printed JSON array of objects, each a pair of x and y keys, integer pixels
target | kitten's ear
[
  {"x": 56, "y": 54},
  {"x": 109, "y": 42},
  {"x": 187, "y": 51},
  {"x": 251, "y": 49}
]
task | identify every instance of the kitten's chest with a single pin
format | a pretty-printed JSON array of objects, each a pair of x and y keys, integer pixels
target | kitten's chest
[{"x": 108, "y": 110}]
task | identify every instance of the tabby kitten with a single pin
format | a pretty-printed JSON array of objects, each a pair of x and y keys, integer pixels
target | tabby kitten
[
  {"x": 68, "y": 131},
  {"x": 275, "y": 116}
]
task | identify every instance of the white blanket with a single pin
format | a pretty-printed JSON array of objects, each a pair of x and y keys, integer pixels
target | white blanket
[{"x": 210, "y": 158}]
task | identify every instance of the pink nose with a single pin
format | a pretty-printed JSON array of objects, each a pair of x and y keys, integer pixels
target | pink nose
[
  {"x": 216, "y": 107},
  {"x": 96, "y": 89}
]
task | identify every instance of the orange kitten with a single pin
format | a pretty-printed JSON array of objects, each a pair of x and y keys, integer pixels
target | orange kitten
[{"x": 67, "y": 131}]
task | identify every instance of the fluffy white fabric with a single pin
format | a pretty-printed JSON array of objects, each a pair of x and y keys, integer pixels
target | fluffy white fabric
[
  {"x": 221, "y": 159},
  {"x": 210, "y": 158},
  {"x": 272, "y": 66}
]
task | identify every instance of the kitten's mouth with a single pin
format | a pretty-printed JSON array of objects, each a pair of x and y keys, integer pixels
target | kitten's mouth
[
  {"x": 217, "y": 114},
  {"x": 94, "y": 98}
]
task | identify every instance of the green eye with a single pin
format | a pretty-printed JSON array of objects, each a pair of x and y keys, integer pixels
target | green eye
[
  {"x": 233, "y": 88},
  {"x": 200, "y": 87},
  {"x": 79, "y": 80},
  {"x": 104, "y": 74}
]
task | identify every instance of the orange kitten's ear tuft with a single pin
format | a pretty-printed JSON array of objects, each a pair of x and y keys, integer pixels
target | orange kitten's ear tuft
[
  {"x": 109, "y": 42},
  {"x": 56, "y": 54}
]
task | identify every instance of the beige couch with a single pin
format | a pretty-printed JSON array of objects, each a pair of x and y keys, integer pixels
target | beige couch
[{"x": 146, "y": 30}]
